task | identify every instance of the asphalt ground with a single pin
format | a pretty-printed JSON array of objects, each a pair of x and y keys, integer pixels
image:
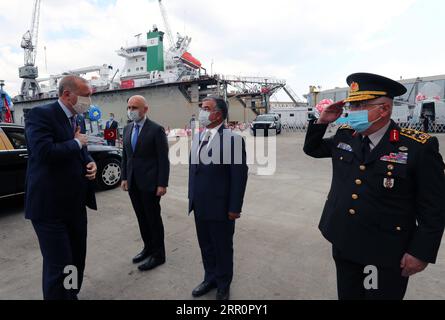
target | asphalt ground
[{"x": 279, "y": 252}]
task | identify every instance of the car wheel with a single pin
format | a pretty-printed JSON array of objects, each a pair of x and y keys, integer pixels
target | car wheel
[{"x": 109, "y": 174}]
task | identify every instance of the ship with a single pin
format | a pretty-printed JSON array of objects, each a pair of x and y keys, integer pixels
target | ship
[{"x": 161, "y": 68}]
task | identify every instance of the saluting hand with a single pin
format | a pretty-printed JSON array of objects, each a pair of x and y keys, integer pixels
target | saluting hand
[
  {"x": 331, "y": 113},
  {"x": 411, "y": 265}
]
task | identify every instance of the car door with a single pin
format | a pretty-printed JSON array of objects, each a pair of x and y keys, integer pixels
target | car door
[
  {"x": 7, "y": 175},
  {"x": 18, "y": 156}
]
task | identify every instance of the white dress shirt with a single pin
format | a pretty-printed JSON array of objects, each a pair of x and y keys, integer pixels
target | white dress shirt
[
  {"x": 141, "y": 124},
  {"x": 376, "y": 137},
  {"x": 212, "y": 132}
]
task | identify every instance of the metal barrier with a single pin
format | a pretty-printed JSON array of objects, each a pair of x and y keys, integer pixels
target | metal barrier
[
  {"x": 294, "y": 127},
  {"x": 432, "y": 128},
  {"x": 301, "y": 127}
]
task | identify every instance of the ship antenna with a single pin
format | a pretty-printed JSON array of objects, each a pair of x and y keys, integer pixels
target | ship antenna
[{"x": 138, "y": 36}]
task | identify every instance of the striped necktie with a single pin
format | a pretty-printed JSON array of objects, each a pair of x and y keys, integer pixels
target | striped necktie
[
  {"x": 73, "y": 123},
  {"x": 204, "y": 142}
]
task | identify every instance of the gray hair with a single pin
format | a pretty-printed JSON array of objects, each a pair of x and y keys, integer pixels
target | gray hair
[
  {"x": 221, "y": 105},
  {"x": 70, "y": 83}
]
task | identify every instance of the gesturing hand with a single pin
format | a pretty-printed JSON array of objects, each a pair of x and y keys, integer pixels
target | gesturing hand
[
  {"x": 83, "y": 138},
  {"x": 91, "y": 171}
]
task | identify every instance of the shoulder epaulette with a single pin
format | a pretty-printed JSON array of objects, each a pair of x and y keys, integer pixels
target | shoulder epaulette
[
  {"x": 345, "y": 127},
  {"x": 415, "y": 135}
]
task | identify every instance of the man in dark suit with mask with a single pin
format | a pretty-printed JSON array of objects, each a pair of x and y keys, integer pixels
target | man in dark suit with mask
[
  {"x": 112, "y": 124},
  {"x": 59, "y": 186},
  {"x": 145, "y": 175},
  {"x": 217, "y": 183},
  {"x": 385, "y": 213}
]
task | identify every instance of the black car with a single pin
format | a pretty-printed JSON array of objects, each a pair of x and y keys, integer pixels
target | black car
[
  {"x": 265, "y": 123},
  {"x": 14, "y": 158}
]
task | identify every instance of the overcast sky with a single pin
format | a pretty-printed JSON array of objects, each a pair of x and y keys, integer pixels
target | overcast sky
[{"x": 305, "y": 42}]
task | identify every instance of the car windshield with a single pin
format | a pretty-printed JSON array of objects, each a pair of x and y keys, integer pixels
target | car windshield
[{"x": 265, "y": 118}]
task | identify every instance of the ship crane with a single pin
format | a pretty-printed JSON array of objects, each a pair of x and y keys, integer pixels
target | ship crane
[
  {"x": 29, "y": 72},
  {"x": 168, "y": 30},
  {"x": 178, "y": 50}
]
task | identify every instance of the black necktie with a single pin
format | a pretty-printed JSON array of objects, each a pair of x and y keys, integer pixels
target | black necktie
[{"x": 366, "y": 148}]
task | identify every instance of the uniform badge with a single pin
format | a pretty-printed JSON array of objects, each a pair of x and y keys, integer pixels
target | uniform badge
[
  {"x": 354, "y": 87},
  {"x": 345, "y": 147},
  {"x": 388, "y": 183},
  {"x": 401, "y": 158},
  {"x": 403, "y": 149},
  {"x": 395, "y": 136}
]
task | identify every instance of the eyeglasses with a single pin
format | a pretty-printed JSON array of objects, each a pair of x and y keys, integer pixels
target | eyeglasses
[{"x": 360, "y": 106}]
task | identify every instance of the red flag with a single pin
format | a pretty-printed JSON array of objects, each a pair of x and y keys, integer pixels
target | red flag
[
  {"x": 110, "y": 134},
  {"x": 8, "y": 115}
]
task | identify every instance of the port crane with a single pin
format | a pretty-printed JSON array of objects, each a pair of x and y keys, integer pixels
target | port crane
[{"x": 29, "y": 72}]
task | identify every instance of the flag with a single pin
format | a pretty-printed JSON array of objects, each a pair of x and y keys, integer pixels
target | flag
[
  {"x": 110, "y": 134},
  {"x": 8, "y": 115}
]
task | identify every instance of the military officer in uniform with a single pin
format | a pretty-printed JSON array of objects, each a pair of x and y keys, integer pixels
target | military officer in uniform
[{"x": 385, "y": 212}]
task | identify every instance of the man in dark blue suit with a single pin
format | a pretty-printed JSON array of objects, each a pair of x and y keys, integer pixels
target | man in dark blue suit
[
  {"x": 59, "y": 186},
  {"x": 217, "y": 183},
  {"x": 112, "y": 125}
]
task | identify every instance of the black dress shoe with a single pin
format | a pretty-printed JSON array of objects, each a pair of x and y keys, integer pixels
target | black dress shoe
[
  {"x": 151, "y": 263},
  {"x": 203, "y": 289},
  {"x": 140, "y": 257},
  {"x": 223, "y": 295}
]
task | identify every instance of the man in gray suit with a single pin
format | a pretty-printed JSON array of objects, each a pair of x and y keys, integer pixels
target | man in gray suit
[{"x": 145, "y": 174}]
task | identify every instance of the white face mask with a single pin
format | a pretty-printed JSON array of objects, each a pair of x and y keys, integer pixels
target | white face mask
[
  {"x": 204, "y": 118},
  {"x": 134, "y": 115},
  {"x": 83, "y": 105}
]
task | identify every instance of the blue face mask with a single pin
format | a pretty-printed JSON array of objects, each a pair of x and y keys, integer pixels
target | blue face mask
[{"x": 358, "y": 120}]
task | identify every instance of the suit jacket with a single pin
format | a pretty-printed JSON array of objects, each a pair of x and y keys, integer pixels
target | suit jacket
[
  {"x": 113, "y": 125},
  {"x": 217, "y": 188},
  {"x": 56, "y": 186},
  {"x": 149, "y": 166},
  {"x": 387, "y": 205}
]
